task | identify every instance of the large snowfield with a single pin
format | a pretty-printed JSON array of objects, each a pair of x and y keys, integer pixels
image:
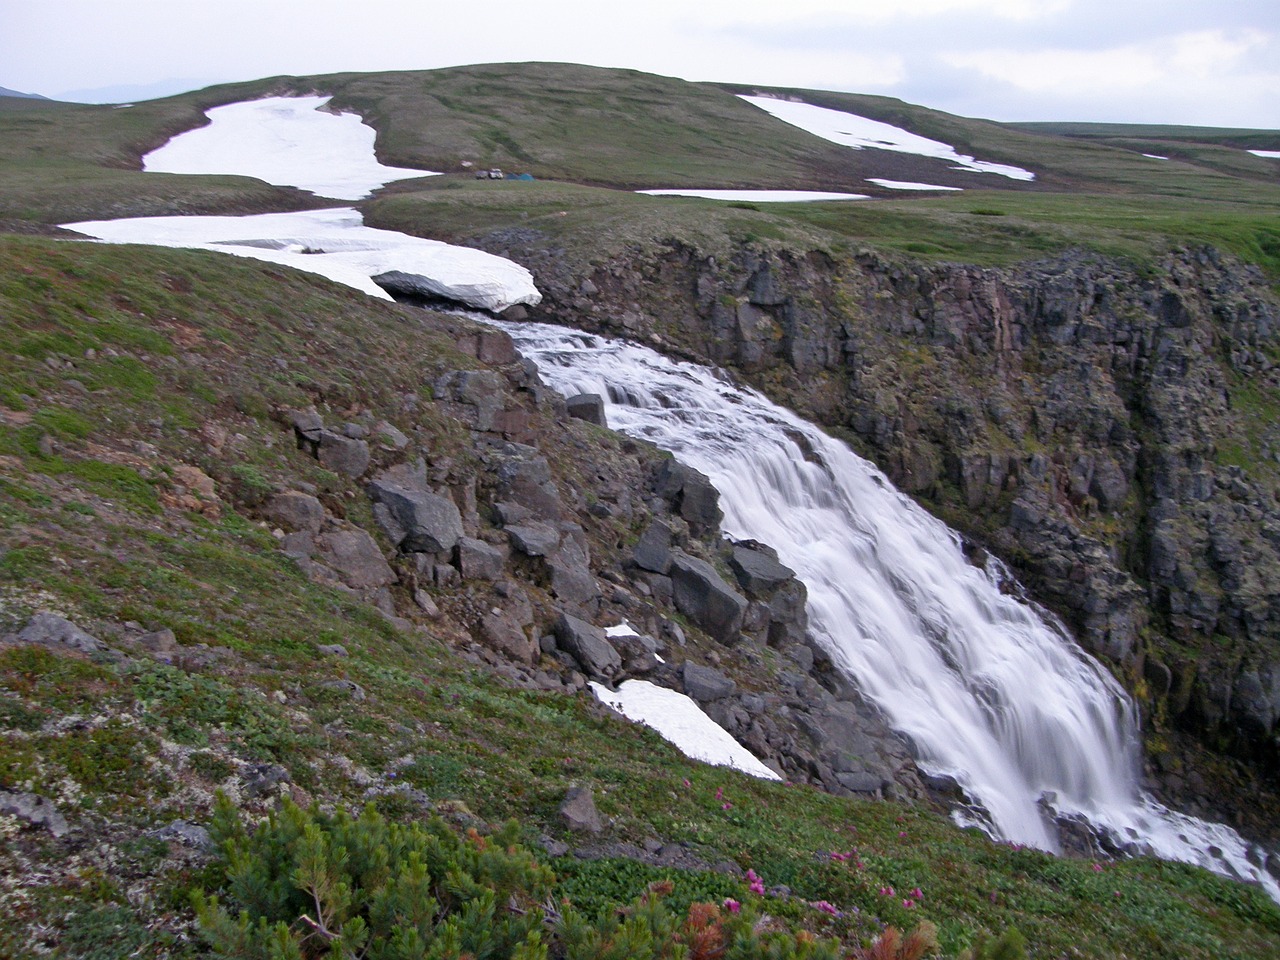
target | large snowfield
[
  {"x": 336, "y": 244},
  {"x": 861, "y": 133},
  {"x": 286, "y": 141}
]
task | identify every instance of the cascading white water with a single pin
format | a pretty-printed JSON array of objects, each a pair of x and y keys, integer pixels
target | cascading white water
[{"x": 990, "y": 690}]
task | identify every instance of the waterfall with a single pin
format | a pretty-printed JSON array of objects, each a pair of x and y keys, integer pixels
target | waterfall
[{"x": 989, "y": 690}]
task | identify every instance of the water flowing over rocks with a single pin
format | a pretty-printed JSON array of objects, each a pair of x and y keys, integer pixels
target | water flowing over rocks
[
  {"x": 1039, "y": 738},
  {"x": 1093, "y": 423}
]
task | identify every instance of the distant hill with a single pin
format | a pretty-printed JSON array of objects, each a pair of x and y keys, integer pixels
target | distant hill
[
  {"x": 6, "y": 92},
  {"x": 134, "y": 92}
]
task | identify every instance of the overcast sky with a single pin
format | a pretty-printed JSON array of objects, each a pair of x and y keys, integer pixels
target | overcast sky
[{"x": 1211, "y": 62}]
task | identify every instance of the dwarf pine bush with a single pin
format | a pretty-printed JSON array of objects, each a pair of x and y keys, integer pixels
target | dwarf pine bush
[{"x": 306, "y": 885}]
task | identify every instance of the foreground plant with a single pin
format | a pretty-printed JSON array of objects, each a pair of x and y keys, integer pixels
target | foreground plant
[{"x": 310, "y": 885}]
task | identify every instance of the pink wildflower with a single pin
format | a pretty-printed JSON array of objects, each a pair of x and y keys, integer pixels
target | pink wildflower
[
  {"x": 754, "y": 883},
  {"x": 686, "y": 782},
  {"x": 733, "y": 906},
  {"x": 825, "y": 908},
  {"x": 917, "y": 893},
  {"x": 1097, "y": 868},
  {"x": 909, "y": 904},
  {"x": 719, "y": 793},
  {"x": 902, "y": 834},
  {"x": 726, "y": 806},
  {"x": 886, "y": 891}
]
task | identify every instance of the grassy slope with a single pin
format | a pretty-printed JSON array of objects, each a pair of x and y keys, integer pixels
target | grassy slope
[{"x": 181, "y": 340}]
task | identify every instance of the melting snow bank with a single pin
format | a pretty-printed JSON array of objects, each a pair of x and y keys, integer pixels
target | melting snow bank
[
  {"x": 682, "y": 722},
  {"x": 858, "y": 132},
  {"x": 287, "y": 141},
  {"x": 908, "y": 185},
  {"x": 988, "y": 689},
  {"x": 766, "y": 196},
  {"x": 1269, "y": 154},
  {"x": 336, "y": 244}
]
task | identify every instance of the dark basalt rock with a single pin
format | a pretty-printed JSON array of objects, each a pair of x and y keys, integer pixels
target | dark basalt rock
[
  {"x": 588, "y": 407},
  {"x": 589, "y": 647},
  {"x": 417, "y": 519},
  {"x": 703, "y": 596}
]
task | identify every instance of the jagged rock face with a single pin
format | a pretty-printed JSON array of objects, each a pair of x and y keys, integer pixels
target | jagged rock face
[{"x": 1111, "y": 432}]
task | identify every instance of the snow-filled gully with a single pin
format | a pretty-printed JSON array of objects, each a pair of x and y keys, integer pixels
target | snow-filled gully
[{"x": 988, "y": 689}]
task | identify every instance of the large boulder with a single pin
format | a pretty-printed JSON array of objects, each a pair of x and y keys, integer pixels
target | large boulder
[
  {"x": 703, "y": 596},
  {"x": 758, "y": 571},
  {"x": 570, "y": 566},
  {"x": 578, "y": 811},
  {"x": 51, "y": 630},
  {"x": 501, "y": 631},
  {"x": 524, "y": 479},
  {"x": 690, "y": 494},
  {"x": 533, "y": 538},
  {"x": 588, "y": 407},
  {"x": 653, "y": 551},
  {"x": 479, "y": 392},
  {"x": 705, "y": 684},
  {"x": 478, "y": 560},
  {"x": 418, "y": 520},
  {"x": 354, "y": 556},
  {"x": 589, "y": 646},
  {"x": 295, "y": 511},
  {"x": 343, "y": 455}
]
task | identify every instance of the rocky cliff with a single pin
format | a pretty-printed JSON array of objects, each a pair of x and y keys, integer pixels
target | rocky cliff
[{"x": 1107, "y": 429}]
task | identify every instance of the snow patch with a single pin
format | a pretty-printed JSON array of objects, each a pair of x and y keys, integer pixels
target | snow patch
[
  {"x": 1269, "y": 154},
  {"x": 908, "y": 185},
  {"x": 765, "y": 196},
  {"x": 336, "y": 244},
  {"x": 681, "y": 721},
  {"x": 1154, "y": 156},
  {"x": 286, "y": 141},
  {"x": 858, "y": 132}
]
